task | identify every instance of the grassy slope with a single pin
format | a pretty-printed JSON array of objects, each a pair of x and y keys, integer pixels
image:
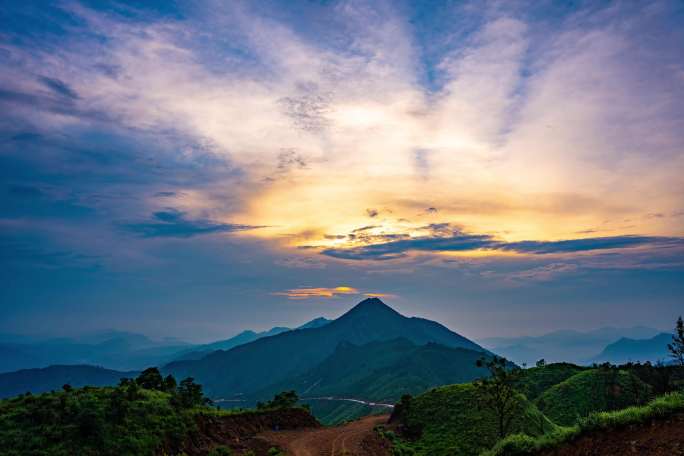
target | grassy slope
[
  {"x": 452, "y": 423},
  {"x": 590, "y": 391},
  {"x": 536, "y": 380},
  {"x": 518, "y": 445}
]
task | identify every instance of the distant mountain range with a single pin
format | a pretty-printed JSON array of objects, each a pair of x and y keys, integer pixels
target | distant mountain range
[
  {"x": 54, "y": 377},
  {"x": 580, "y": 347},
  {"x": 118, "y": 350},
  {"x": 371, "y": 352},
  {"x": 631, "y": 350},
  {"x": 250, "y": 369}
]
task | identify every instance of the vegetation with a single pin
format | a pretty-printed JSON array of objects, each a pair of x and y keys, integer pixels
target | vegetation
[
  {"x": 519, "y": 444},
  {"x": 444, "y": 421},
  {"x": 92, "y": 421},
  {"x": 136, "y": 417},
  {"x": 676, "y": 348},
  {"x": 534, "y": 381},
  {"x": 380, "y": 371},
  {"x": 286, "y": 399},
  {"x": 497, "y": 391},
  {"x": 602, "y": 389}
]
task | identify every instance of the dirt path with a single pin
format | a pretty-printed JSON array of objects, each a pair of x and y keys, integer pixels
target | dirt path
[{"x": 352, "y": 439}]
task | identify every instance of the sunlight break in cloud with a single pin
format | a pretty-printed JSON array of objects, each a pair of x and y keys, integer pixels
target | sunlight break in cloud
[{"x": 306, "y": 293}]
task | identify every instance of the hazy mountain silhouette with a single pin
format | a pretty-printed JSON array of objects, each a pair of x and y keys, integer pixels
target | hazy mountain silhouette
[
  {"x": 252, "y": 367},
  {"x": 563, "y": 345},
  {"x": 245, "y": 337},
  {"x": 642, "y": 350},
  {"x": 54, "y": 377}
]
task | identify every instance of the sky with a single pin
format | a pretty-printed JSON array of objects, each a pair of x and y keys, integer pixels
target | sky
[{"x": 192, "y": 169}]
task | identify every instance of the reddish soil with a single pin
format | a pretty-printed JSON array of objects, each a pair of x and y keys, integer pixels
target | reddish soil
[
  {"x": 658, "y": 438},
  {"x": 238, "y": 431},
  {"x": 352, "y": 439}
]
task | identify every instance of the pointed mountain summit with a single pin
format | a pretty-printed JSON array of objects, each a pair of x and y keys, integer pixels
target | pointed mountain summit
[
  {"x": 249, "y": 368},
  {"x": 369, "y": 308}
]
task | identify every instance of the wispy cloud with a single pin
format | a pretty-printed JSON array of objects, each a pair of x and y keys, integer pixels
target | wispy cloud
[
  {"x": 307, "y": 293},
  {"x": 457, "y": 241},
  {"x": 174, "y": 224}
]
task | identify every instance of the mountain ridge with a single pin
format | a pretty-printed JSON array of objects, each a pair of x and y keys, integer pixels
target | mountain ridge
[{"x": 269, "y": 360}]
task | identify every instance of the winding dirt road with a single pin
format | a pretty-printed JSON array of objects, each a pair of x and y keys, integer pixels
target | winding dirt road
[{"x": 352, "y": 439}]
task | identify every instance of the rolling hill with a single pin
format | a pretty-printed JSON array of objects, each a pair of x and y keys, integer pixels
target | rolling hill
[
  {"x": 251, "y": 368},
  {"x": 448, "y": 421},
  {"x": 590, "y": 391}
]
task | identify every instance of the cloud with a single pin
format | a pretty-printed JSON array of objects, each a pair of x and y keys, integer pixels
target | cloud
[
  {"x": 174, "y": 224},
  {"x": 444, "y": 238},
  {"x": 543, "y": 273},
  {"x": 59, "y": 87},
  {"x": 589, "y": 244},
  {"x": 307, "y": 293}
]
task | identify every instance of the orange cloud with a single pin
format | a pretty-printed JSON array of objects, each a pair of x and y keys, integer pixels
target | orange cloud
[{"x": 306, "y": 293}]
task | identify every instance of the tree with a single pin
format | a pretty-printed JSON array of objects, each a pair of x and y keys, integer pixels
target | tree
[
  {"x": 286, "y": 399},
  {"x": 151, "y": 379},
  {"x": 169, "y": 384},
  {"x": 190, "y": 394},
  {"x": 541, "y": 363},
  {"x": 677, "y": 346},
  {"x": 497, "y": 392}
]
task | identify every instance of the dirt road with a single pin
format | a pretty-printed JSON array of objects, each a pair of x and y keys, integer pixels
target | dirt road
[{"x": 353, "y": 439}]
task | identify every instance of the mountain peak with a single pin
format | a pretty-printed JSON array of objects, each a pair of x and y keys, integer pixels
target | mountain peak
[{"x": 371, "y": 306}]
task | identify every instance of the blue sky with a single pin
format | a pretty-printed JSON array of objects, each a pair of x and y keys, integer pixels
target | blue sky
[{"x": 192, "y": 169}]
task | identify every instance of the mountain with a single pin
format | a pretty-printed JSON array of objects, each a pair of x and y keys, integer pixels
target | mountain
[
  {"x": 54, "y": 377},
  {"x": 564, "y": 345},
  {"x": 632, "y": 350},
  {"x": 315, "y": 323},
  {"x": 250, "y": 368},
  {"x": 380, "y": 371},
  {"x": 245, "y": 337}
]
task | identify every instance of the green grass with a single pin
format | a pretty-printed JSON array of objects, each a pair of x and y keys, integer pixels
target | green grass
[
  {"x": 536, "y": 380},
  {"x": 519, "y": 445},
  {"x": 592, "y": 391},
  {"x": 453, "y": 423}
]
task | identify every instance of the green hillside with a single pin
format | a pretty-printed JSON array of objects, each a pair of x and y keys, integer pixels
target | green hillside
[
  {"x": 150, "y": 415},
  {"x": 521, "y": 445},
  {"x": 450, "y": 421},
  {"x": 379, "y": 372},
  {"x": 600, "y": 389},
  {"x": 538, "y": 379},
  {"x": 92, "y": 421},
  {"x": 384, "y": 371}
]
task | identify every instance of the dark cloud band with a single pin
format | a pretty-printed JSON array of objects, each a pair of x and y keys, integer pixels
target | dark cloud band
[{"x": 459, "y": 242}]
